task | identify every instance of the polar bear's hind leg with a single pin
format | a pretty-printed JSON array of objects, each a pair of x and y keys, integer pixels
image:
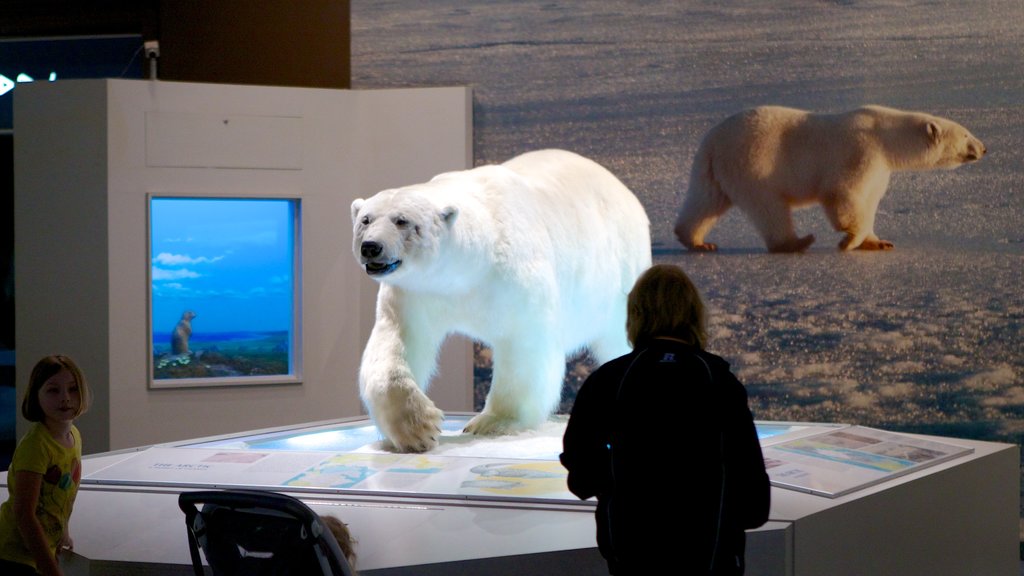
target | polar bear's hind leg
[
  {"x": 857, "y": 223},
  {"x": 525, "y": 388},
  {"x": 613, "y": 343},
  {"x": 703, "y": 206},
  {"x": 773, "y": 218}
]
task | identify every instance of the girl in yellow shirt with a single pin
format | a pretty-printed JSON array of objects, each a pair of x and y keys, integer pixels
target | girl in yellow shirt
[{"x": 43, "y": 478}]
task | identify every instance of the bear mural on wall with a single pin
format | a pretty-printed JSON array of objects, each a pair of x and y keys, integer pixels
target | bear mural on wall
[
  {"x": 770, "y": 159},
  {"x": 534, "y": 257}
]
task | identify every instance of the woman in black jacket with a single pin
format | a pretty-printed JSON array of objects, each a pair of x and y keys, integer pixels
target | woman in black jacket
[{"x": 664, "y": 438}]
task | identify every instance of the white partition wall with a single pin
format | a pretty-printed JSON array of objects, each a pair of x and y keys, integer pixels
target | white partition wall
[{"x": 89, "y": 153}]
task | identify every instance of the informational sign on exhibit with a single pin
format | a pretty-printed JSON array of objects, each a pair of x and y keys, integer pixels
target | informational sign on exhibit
[{"x": 837, "y": 462}]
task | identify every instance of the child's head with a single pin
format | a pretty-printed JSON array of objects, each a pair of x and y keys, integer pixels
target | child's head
[
  {"x": 345, "y": 541},
  {"x": 45, "y": 369}
]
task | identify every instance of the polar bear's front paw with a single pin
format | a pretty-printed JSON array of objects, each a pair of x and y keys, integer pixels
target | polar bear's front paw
[
  {"x": 490, "y": 424},
  {"x": 416, "y": 427},
  {"x": 850, "y": 242}
]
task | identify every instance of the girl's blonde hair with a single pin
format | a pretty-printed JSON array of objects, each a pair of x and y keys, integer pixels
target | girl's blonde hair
[
  {"x": 664, "y": 302},
  {"x": 45, "y": 369}
]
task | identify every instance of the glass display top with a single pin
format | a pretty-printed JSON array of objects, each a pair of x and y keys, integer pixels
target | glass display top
[
  {"x": 823, "y": 459},
  {"x": 362, "y": 435}
]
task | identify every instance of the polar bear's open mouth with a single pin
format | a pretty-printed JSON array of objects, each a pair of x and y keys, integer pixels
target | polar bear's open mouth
[{"x": 382, "y": 268}]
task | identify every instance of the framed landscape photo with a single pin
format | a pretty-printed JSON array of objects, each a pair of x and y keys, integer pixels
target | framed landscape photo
[{"x": 223, "y": 291}]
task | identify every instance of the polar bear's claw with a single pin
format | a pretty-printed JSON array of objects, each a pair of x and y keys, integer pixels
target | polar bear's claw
[
  {"x": 417, "y": 433},
  {"x": 416, "y": 427}
]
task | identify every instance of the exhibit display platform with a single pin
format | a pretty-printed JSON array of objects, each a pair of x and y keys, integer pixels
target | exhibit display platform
[{"x": 846, "y": 500}]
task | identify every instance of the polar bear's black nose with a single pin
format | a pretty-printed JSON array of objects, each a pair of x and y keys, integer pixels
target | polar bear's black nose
[{"x": 370, "y": 249}]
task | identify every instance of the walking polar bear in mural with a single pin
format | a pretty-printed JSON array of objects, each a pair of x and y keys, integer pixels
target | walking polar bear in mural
[
  {"x": 533, "y": 257},
  {"x": 770, "y": 159}
]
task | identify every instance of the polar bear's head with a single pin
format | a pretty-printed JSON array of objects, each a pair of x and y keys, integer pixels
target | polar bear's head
[
  {"x": 920, "y": 141},
  {"x": 399, "y": 229},
  {"x": 951, "y": 144}
]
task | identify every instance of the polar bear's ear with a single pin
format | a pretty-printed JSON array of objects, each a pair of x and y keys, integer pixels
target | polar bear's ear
[
  {"x": 449, "y": 215},
  {"x": 934, "y": 132},
  {"x": 356, "y": 205}
]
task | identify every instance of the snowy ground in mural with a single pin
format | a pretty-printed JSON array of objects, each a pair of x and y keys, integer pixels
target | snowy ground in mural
[{"x": 927, "y": 337}]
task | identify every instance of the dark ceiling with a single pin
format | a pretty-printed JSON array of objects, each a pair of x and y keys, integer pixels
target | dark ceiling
[{"x": 41, "y": 18}]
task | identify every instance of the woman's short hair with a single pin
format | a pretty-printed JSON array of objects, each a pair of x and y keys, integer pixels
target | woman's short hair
[
  {"x": 664, "y": 302},
  {"x": 45, "y": 369}
]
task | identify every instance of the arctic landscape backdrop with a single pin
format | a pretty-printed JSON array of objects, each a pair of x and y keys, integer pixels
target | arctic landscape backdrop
[{"x": 923, "y": 338}]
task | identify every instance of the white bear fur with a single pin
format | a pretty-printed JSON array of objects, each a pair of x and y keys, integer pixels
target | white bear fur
[
  {"x": 534, "y": 257},
  {"x": 770, "y": 159}
]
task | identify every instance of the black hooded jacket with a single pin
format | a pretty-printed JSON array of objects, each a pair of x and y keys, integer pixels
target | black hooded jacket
[{"x": 664, "y": 438}]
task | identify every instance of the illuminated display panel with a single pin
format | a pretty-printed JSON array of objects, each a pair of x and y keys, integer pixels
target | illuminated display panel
[
  {"x": 363, "y": 436},
  {"x": 223, "y": 285}
]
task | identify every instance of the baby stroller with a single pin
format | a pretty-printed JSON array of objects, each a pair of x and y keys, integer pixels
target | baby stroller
[{"x": 250, "y": 532}]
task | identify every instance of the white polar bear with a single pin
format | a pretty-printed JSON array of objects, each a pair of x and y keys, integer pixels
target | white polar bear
[
  {"x": 769, "y": 159},
  {"x": 534, "y": 257}
]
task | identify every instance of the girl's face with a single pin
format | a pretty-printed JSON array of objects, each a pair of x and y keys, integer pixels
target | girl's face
[{"x": 60, "y": 398}]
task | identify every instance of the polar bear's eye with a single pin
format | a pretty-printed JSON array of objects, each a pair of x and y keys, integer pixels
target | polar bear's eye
[
  {"x": 365, "y": 220},
  {"x": 401, "y": 222}
]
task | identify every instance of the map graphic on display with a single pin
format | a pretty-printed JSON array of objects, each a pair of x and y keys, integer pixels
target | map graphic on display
[
  {"x": 418, "y": 465},
  {"x": 393, "y": 472},
  {"x": 834, "y": 447},
  {"x": 841, "y": 461},
  {"x": 518, "y": 478},
  {"x": 823, "y": 459},
  {"x": 342, "y": 471},
  {"x": 441, "y": 475}
]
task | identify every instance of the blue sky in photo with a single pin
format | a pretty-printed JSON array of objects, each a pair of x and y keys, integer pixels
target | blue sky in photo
[{"x": 228, "y": 260}]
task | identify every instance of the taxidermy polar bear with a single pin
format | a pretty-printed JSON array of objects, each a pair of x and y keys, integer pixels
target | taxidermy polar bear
[
  {"x": 769, "y": 159},
  {"x": 534, "y": 257}
]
